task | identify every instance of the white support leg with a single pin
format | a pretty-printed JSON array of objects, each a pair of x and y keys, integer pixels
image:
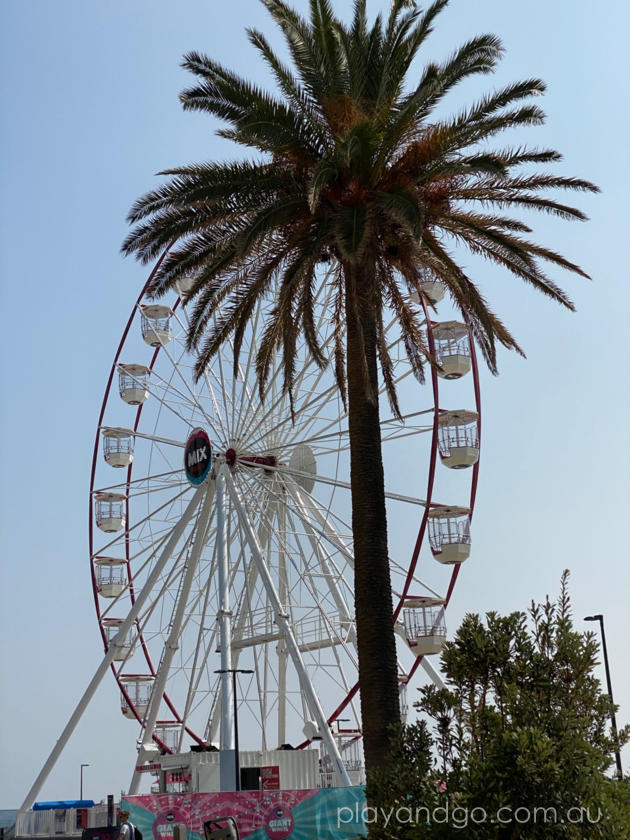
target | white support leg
[
  {"x": 282, "y": 649},
  {"x": 116, "y": 642},
  {"x": 225, "y": 621},
  {"x": 227, "y": 745},
  {"x": 148, "y": 749},
  {"x": 433, "y": 674},
  {"x": 284, "y": 626}
]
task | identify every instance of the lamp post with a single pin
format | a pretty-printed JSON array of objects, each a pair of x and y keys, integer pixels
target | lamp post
[
  {"x": 81, "y": 787},
  {"x": 600, "y": 618},
  {"x": 234, "y": 672}
]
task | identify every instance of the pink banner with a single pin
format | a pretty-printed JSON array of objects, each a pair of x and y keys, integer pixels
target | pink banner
[
  {"x": 260, "y": 815},
  {"x": 270, "y": 810}
]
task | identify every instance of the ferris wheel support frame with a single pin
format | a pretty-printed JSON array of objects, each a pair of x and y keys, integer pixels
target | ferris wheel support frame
[
  {"x": 147, "y": 748},
  {"x": 108, "y": 658},
  {"x": 282, "y": 619}
]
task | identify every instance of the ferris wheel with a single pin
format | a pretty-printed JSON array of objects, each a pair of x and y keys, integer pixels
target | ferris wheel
[{"x": 220, "y": 536}]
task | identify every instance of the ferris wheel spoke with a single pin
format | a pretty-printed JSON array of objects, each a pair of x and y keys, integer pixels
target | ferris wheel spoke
[
  {"x": 154, "y": 438},
  {"x": 152, "y": 392},
  {"x": 159, "y": 452},
  {"x": 280, "y": 400},
  {"x": 334, "y": 482},
  {"x": 316, "y": 399},
  {"x": 123, "y": 536},
  {"x": 207, "y": 375},
  {"x": 331, "y": 437},
  {"x": 189, "y": 401},
  {"x": 323, "y": 397},
  {"x": 158, "y": 486},
  {"x": 417, "y": 581},
  {"x": 194, "y": 398},
  {"x": 307, "y": 367},
  {"x": 410, "y": 432},
  {"x": 247, "y": 394},
  {"x": 123, "y": 486}
]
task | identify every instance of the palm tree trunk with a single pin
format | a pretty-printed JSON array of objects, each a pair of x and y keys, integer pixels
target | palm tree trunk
[{"x": 372, "y": 584}]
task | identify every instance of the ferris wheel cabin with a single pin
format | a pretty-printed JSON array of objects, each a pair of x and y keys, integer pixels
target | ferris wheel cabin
[
  {"x": 111, "y": 576},
  {"x": 118, "y": 446},
  {"x": 125, "y": 648},
  {"x": 109, "y": 511},
  {"x": 167, "y": 734},
  {"x": 425, "y": 624},
  {"x": 132, "y": 383},
  {"x": 433, "y": 289},
  {"x": 138, "y": 688},
  {"x": 449, "y": 534},
  {"x": 452, "y": 349},
  {"x": 156, "y": 324},
  {"x": 458, "y": 433}
]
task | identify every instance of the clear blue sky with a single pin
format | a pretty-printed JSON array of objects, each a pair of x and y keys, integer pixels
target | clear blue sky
[{"x": 90, "y": 113}]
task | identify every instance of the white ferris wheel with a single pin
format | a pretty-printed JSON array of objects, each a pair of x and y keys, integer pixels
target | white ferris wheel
[{"x": 244, "y": 560}]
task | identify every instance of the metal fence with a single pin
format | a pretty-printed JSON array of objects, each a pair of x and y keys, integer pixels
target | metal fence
[{"x": 64, "y": 821}]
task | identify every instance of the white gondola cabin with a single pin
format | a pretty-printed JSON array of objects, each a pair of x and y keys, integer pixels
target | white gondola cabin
[
  {"x": 449, "y": 534},
  {"x": 425, "y": 624},
  {"x": 111, "y": 576},
  {"x": 156, "y": 324},
  {"x": 433, "y": 289},
  {"x": 452, "y": 349},
  {"x": 138, "y": 688},
  {"x": 458, "y": 433},
  {"x": 132, "y": 383},
  {"x": 124, "y": 649},
  {"x": 109, "y": 511},
  {"x": 118, "y": 446},
  {"x": 167, "y": 733}
]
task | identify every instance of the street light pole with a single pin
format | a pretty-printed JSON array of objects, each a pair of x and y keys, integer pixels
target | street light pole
[
  {"x": 81, "y": 788},
  {"x": 613, "y": 719},
  {"x": 237, "y": 763}
]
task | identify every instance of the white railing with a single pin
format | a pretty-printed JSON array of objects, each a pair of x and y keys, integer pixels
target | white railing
[{"x": 66, "y": 821}]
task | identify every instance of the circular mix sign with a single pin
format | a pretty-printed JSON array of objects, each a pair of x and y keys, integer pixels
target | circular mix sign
[{"x": 197, "y": 456}]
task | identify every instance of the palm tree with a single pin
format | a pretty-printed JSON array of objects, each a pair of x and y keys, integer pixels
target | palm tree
[{"x": 354, "y": 172}]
